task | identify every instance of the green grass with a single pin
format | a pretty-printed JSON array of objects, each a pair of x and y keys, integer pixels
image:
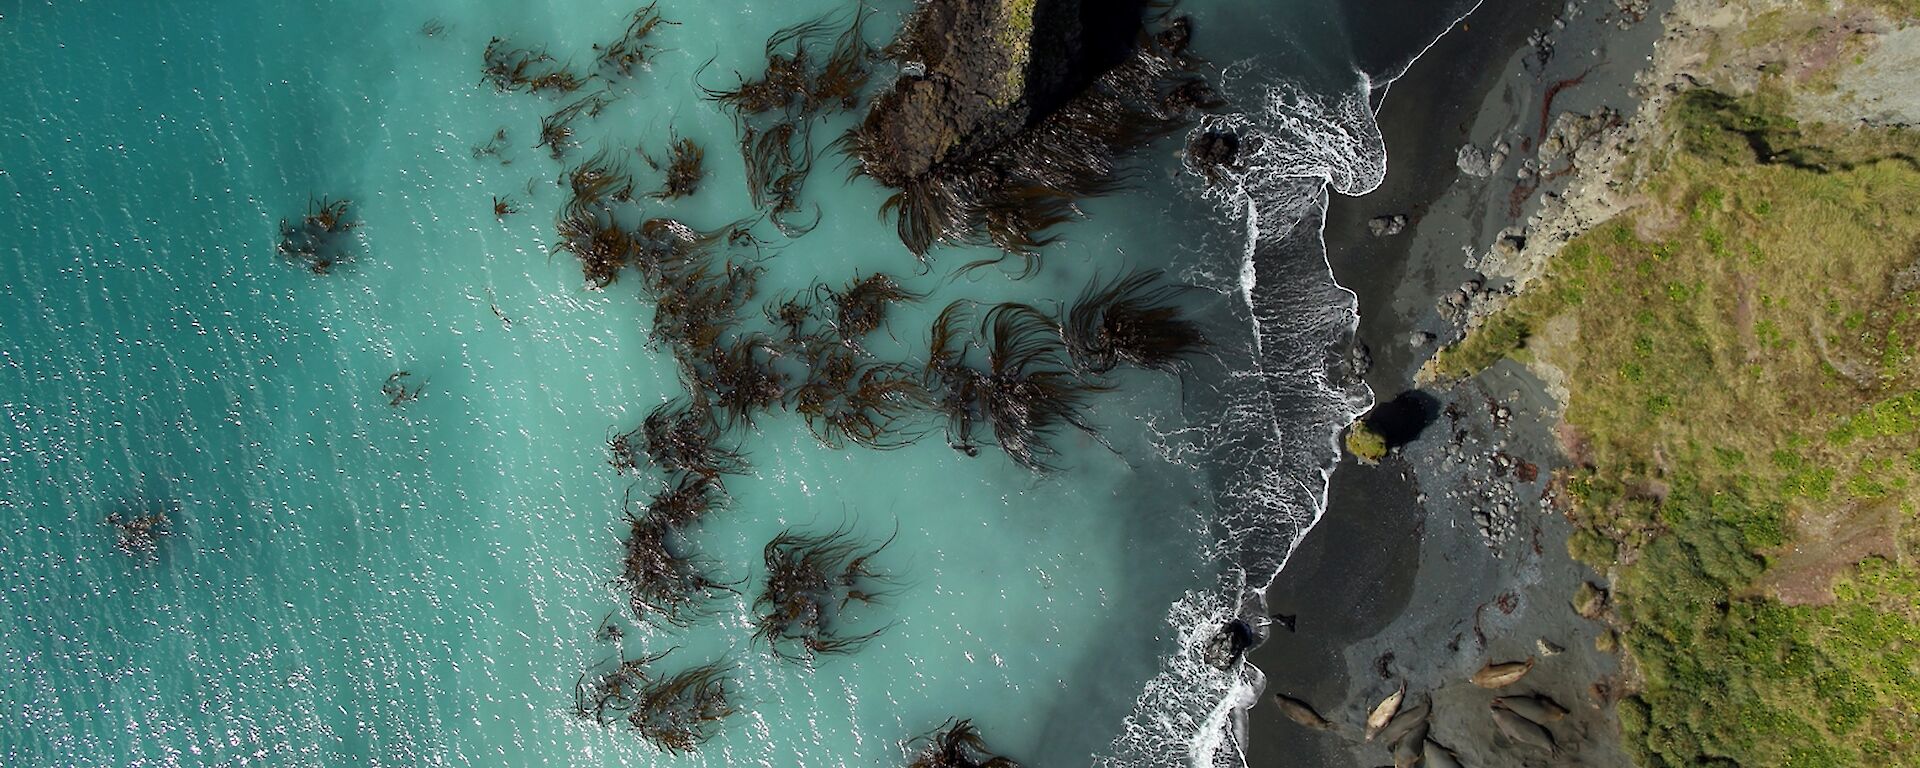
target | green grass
[
  {"x": 1749, "y": 368},
  {"x": 1366, "y": 444}
]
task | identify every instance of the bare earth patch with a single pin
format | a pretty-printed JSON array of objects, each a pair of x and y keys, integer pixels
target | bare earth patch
[{"x": 1827, "y": 544}]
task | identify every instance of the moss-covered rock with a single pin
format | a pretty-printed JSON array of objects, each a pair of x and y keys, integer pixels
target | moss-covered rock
[{"x": 982, "y": 70}]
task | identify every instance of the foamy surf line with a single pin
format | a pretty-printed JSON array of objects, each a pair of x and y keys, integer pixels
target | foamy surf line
[{"x": 1281, "y": 416}]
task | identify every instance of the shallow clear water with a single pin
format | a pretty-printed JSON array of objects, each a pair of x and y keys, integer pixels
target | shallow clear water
[{"x": 348, "y": 583}]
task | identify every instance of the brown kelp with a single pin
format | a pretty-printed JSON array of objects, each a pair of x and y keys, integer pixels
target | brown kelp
[
  {"x": 778, "y": 160},
  {"x": 504, "y": 207},
  {"x": 605, "y": 697},
  {"x": 810, "y": 580},
  {"x": 138, "y": 534},
  {"x": 980, "y": 153},
  {"x": 793, "y": 315},
  {"x": 592, "y": 233},
  {"x": 319, "y": 242},
  {"x": 511, "y": 69},
  {"x": 632, "y": 50},
  {"x": 675, "y": 713},
  {"x": 678, "y": 436},
  {"x": 493, "y": 147},
  {"x": 1135, "y": 320},
  {"x": 685, "y": 167},
  {"x": 792, "y": 84},
  {"x": 845, "y": 402},
  {"x": 738, "y": 376},
  {"x": 775, "y": 110},
  {"x": 661, "y": 580},
  {"x": 684, "y": 499},
  {"x": 861, "y": 307},
  {"x": 692, "y": 312},
  {"x": 679, "y": 713},
  {"x": 1025, "y": 391},
  {"x": 556, "y": 130},
  {"x": 399, "y": 389},
  {"x": 957, "y": 744}
]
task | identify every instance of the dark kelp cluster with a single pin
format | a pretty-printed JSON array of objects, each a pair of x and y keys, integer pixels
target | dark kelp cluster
[
  {"x": 956, "y": 745},
  {"x": 684, "y": 168},
  {"x": 967, "y": 168},
  {"x": 1134, "y": 320},
  {"x": 321, "y": 241},
  {"x": 621, "y": 57},
  {"x": 775, "y": 110},
  {"x": 810, "y": 581},
  {"x": 675, "y": 712},
  {"x": 1005, "y": 168},
  {"x": 661, "y": 579}
]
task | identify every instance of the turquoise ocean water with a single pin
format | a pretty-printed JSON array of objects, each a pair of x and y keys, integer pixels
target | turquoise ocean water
[{"x": 348, "y": 583}]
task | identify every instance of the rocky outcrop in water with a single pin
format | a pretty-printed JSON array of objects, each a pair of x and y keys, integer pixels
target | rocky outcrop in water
[{"x": 1008, "y": 110}]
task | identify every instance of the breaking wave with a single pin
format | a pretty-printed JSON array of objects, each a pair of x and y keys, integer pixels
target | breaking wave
[{"x": 1273, "y": 418}]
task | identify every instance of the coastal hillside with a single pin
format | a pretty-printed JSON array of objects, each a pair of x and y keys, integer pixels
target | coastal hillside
[{"x": 1729, "y": 310}]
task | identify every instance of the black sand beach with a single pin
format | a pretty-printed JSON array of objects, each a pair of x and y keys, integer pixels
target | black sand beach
[{"x": 1398, "y": 582}]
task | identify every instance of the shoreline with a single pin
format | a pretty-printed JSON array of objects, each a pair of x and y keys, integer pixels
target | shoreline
[{"x": 1401, "y": 580}]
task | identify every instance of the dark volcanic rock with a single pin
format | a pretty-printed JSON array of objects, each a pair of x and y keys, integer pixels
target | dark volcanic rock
[
  {"x": 989, "y": 68},
  {"x": 1214, "y": 149},
  {"x": 1009, "y": 110}
]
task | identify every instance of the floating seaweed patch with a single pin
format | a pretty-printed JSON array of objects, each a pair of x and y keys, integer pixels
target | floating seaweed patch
[
  {"x": 1135, "y": 320},
  {"x": 810, "y": 581},
  {"x": 605, "y": 697},
  {"x": 775, "y": 110},
  {"x": 847, "y": 402},
  {"x": 504, "y": 207},
  {"x": 681, "y": 712},
  {"x": 621, "y": 57},
  {"x": 556, "y": 130},
  {"x": 957, "y": 744},
  {"x": 1025, "y": 391},
  {"x": 685, "y": 167},
  {"x": 660, "y": 578},
  {"x": 692, "y": 314},
  {"x": 320, "y": 242},
  {"x": 739, "y": 377},
  {"x": 861, "y": 307},
  {"x": 678, "y": 436},
  {"x": 511, "y": 69},
  {"x": 493, "y": 147},
  {"x": 793, "y": 316},
  {"x": 685, "y": 499}
]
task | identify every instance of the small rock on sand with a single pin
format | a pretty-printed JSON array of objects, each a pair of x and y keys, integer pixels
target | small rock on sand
[
  {"x": 1474, "y": 162},
  {"x": 1387, "y": 226}
]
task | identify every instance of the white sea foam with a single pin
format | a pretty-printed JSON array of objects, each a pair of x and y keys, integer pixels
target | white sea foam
[{"x": 1281, "y": 407}]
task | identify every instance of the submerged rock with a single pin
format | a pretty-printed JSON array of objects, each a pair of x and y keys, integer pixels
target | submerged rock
[
  {"x": 1213, "y": 150},
  {"x": 1227, "y": 645}
]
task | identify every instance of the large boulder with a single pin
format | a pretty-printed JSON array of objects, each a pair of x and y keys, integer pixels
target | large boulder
[{"x": 983, "y": 70}]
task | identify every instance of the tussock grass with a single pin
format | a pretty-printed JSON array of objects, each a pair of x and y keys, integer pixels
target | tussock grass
[{"x": 1744, "y": 362}]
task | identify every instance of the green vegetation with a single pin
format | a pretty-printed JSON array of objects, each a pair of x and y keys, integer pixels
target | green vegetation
[
  {"x": 1365, "y": 444},
  {"x": 1016, "y": 39},
  {"x": 1748, "y": 405}
]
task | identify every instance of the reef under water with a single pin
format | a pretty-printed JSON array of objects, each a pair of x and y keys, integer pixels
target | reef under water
[{"x": 574, "y": 440}]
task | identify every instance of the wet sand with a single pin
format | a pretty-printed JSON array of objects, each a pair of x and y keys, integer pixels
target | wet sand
[{"x": 1398, "y": 582}]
